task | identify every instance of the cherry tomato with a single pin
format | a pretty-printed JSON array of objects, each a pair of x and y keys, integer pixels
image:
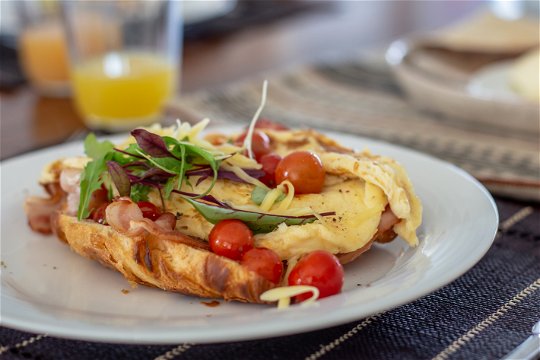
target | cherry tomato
[
  {"x": 304, "y": 170},
  {"x": 149, "y": 210},
  {"x": 260, "y": 143},
  {"x": 269, "y": 124},
  {"x": 264, "y": 262},
  {"x": 99, "y": 214},
  {"x": 320, "y": 269},
  {"x": 231, "y": 238},
  {"x": 269, "y": 163}
]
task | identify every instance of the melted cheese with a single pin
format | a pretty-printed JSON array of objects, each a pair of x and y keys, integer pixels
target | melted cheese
[
  {"x": 240, "y": 160},
  {"x": 388, "y": 176},
  {"x": 243, "y": 175},
  {"x": 352, "y": 227}
]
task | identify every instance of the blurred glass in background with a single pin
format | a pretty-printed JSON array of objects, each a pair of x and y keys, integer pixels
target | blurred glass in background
[
  {"x": 125, "y": 59},
  {"x": 42, "y": 46}
]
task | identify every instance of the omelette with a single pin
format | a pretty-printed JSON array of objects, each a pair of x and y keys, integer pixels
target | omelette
[{"x": 364, "y": 198}]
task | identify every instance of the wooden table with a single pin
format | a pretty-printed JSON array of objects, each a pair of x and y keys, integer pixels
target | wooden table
[{"x": 29, "y": 121}]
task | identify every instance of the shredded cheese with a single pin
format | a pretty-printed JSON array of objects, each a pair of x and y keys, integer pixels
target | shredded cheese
[
  {"x": 243, "y": 162},
  {"x": 229, "y": 148},
  {"x": 284, "y": 294},
  {"x": 270, "y": 199},
  {"x": 284, "y": 206},
  {"x": 242, "y": 174},
  {"x": 291, "y": 263},
  {"x": 285, "y": 203},
  {"x": 249, "y": 135},
  {"x": 198, "y": 128},
  {"x": 185, "y": 132}
]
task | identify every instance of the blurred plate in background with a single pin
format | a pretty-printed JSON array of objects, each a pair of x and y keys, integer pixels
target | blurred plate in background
[
  {"x": 470, "y": 86},
  {"x": 195, "y": 11}
]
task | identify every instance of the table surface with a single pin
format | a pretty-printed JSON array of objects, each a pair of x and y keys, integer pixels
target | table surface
[{"x": 29, "y": 121}]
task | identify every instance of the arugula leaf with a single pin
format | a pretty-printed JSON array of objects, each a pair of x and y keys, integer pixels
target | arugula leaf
[
  {"x": 128, "y": 155},
  {"x": 183, "y": 150},
  {"x": 90, "y": 181},
  {"x": 257, "y": 222},
  {"x": 169, "y": 186},
  {"x": 209, "y": 157},
  {"x": 258, "y": 194},
  {"x": 95, "y": 149},
  {"x": 168, "y": 164},
  {"x": 91, "y": 176},
  {"x": 139, "y": 192},
  {"x": 182, "y": 173}
]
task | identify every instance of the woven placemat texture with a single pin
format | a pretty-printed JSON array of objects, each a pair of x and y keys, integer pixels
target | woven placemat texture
[
  {"x": 482, "y": 315},
  {"x": 362, "y": 98}
]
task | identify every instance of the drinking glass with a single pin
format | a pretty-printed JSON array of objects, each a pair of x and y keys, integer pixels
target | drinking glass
[
  {"x": 125, "y": 59},
  {"x": 42, "y": 47}
]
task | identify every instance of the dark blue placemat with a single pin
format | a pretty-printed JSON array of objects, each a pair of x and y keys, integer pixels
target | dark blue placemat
[{"x": 482, "y": 315}]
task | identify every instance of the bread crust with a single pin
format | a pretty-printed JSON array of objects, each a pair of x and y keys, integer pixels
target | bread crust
[{"x": 163, "y": 263}]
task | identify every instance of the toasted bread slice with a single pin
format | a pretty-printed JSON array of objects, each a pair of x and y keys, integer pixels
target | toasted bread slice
[{"x": 162, "y": 263}]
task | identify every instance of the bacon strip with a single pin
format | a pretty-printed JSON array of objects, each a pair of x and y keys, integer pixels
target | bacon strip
[
  {"x": 69, "y": 182},
  {"x": 126, "y": 217},
  {"x": 152, "y": 230},
  {"x": 39, "y": 210},
  {"x": 121, "y": 213}
]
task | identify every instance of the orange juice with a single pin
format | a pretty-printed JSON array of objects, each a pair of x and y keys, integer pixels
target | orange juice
[
  {"x": 44, "y": 56},
  {"x": 122, "y": 89}
]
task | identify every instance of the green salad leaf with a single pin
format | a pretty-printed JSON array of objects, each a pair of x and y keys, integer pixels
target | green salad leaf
[
  {"x": 258, "y": 194},
  {"x": 96, "y": 149},
  {"x": 256, "y": 221},
  {"x": 91, "y": 181},
  {"x": 139, "y": 192}
]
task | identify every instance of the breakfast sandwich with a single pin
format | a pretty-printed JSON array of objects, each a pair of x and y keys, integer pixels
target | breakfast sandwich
[{"x": 226, "y": 215}]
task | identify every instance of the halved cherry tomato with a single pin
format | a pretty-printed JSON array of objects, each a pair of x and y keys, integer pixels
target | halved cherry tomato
[
  {"x": 231, "y": 238},
  {"x": 260, "y": 143},
  {"x": 269, "y": 164},
  {"x": 264, "y": 262},
  {"x": 304, "y": 170},
  {"x": 320, "y": 269},
  {"x": 98, "y": 215},
  {"x": 269, "y": 124},
  {"x": 149, "y": 210}
]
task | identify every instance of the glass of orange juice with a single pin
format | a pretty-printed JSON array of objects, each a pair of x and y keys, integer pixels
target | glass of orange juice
[
  {"x": 42, "y": 47},
  {"x": 122, "y": 77}
]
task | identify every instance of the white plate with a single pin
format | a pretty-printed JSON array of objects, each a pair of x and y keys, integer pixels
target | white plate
[
  {"x": 47, "y": 288},
  {"x": 491, "y": 82},
  {"x": 195, "y": 11}
]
